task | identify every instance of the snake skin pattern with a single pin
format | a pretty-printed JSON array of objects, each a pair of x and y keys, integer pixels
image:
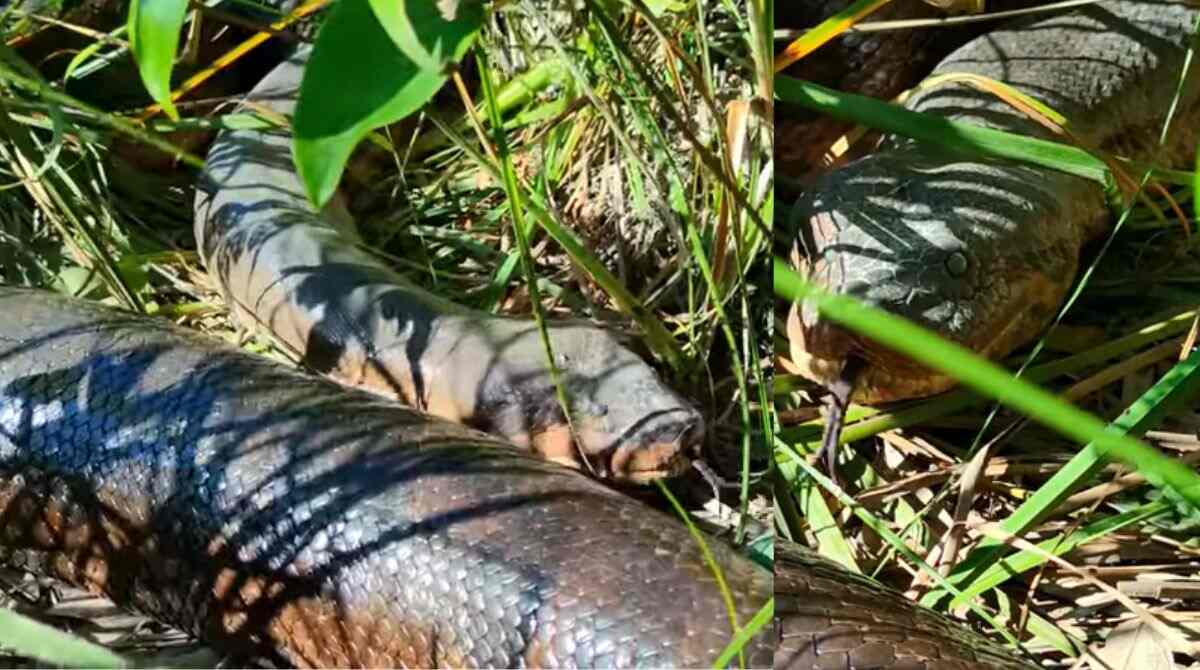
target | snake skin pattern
[
  {"x": 982, "y": 252},
  {"x": 264, "y": 510},
  {"x": 304, "y": 276},
  {"x": 880, "y": 65},
  {"x": 830, "y": 618},
  {"x": 261, "y": 509}
]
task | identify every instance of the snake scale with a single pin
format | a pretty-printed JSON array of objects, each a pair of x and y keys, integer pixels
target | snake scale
[{"x": 265, "y": 510}]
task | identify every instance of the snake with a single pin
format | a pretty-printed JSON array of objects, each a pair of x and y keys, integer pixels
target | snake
[
  {"x": 264, "y": 509},
  {"x": 979, "y": 251},
  {"x": 305, "y": 277},
  {"x": 270, "y": 512},
  {"x": 267, "y": 511}
]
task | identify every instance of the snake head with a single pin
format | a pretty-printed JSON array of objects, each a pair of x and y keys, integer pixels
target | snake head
[
  {"x": 980, "y": 253},
  {"x": 625, "y": 423}
]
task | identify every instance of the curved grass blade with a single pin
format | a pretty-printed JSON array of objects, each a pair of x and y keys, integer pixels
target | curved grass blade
[
  {"x": 709, "y": 560},
  {"x": 965, "y": 138},
  {"x": 1021, "y": 562},
  {"x": 1180, "y": 385},
  {"x": 52, "y": 646},
  {"x": 986, "y": 377},
  {"x": 761, "y": 618}
]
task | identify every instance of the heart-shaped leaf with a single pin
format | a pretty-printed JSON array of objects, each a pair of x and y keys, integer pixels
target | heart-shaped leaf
[
  {"x": 154, "y": 29},
  {"x": 358, "y": 79}
]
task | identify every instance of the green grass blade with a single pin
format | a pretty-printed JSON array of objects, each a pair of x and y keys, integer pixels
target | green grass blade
[
  {"x": 988, "y": 378},
  {"x": 52, "y": 646},
  {"x": 884, "y": 532},
  {"x": 1180, "y": 385},
  {"x": 1021, "y": 562},
  {"x": 709, "y": 560},
  {"x": 963, "y": 398},
  {"x": 761, "y": 618},
  {"x": 965, "y": 138}
]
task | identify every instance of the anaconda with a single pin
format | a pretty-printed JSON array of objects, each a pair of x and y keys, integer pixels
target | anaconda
[
  {"x": 268, "y": 511},
  {"x": 982, "y": 252},
  {"x": 304, "y": 276}
]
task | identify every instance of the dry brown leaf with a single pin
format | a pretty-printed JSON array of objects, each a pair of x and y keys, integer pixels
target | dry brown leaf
[{"x": 1133, "y": 645}]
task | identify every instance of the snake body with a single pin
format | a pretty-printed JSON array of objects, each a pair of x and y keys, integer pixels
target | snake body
[
  {"x": 829, "y": 618},
  {"x": 265, "y": 510},
  {"x": 982, "y": 252},
  {"x": 262, "y": 509},
  {"x": 303, "y": 275}
]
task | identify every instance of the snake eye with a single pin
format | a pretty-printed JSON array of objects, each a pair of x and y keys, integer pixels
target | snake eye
[{"x": 957, "y": 264}]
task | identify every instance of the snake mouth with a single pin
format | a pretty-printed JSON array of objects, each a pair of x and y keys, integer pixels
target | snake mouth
[
  {"x": 658, "y": 447},
  {"x": 662, "y": 446},
  {"x": 821, "y": 349},
  {"x": 885, "y": 376}
]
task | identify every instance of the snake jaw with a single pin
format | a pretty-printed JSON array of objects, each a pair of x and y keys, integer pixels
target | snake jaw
[
  {"x": 663, "y": 447},
  {"x": 625, "y": 423},
  {"x": 820, "y": 349},
  {"x": 659, "y": 445},
  {"x": 661, "y": 450}
]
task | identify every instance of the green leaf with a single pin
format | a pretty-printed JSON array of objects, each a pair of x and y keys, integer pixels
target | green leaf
[
  {"x": 154, "y": 31},
  {"x": 426, "y": 31},
  {"x": 355, "y": 53},
  {"x": 52, "y": 646}
]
